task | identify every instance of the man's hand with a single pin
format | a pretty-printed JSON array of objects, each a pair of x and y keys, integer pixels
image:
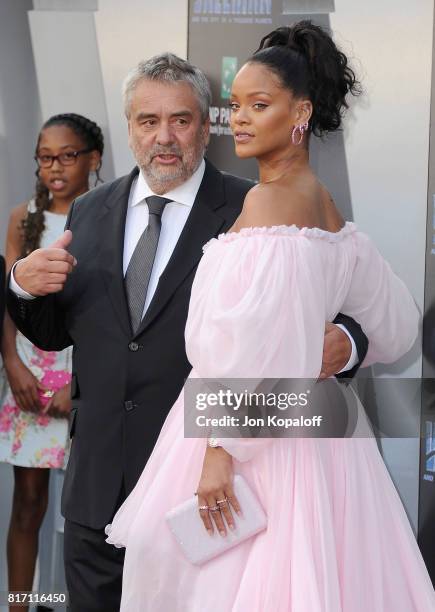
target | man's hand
[
  {"x": 45, "y": 270},
  {"x": 337, "y": 350}
]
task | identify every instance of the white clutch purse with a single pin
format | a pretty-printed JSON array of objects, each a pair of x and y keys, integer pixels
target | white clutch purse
[{"x": 198, "y": 546}]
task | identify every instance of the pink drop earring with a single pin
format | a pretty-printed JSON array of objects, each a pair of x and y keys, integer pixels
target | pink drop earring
[{"x": 302, "y": 128}]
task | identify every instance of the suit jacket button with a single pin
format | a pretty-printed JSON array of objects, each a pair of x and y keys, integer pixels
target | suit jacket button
[
  {"x": 133, "y": 346},
  {"x": 129, "y": 405}
]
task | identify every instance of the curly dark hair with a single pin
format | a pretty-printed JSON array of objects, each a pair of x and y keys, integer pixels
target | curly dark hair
[
  {"x": 33, "y": 225},
  {"x": 307, "y": 61}
]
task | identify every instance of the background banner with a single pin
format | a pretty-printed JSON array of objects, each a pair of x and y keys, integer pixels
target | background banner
[{"x": 222, "y": 36}]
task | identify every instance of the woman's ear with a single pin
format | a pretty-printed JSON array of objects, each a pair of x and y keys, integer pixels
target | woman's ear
[{"x": 304, "y": 111}]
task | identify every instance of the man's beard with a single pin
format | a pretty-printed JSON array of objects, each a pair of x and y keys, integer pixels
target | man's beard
[{"x": 162, "y": 179}]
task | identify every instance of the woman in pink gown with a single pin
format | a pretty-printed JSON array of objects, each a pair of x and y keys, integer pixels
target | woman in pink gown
[{"x": 337, "y": 538}]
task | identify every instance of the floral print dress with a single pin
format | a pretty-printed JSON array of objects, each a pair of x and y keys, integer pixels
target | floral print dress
[{"x": 28, "y": 439}]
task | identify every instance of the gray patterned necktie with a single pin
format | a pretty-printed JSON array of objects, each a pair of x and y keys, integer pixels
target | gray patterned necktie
[{"x": 141, "y": 263}]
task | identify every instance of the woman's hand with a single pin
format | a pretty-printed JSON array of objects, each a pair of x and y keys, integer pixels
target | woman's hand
[
  {"x": 24, "y": 385},
  {"x": 215, "y": 490},
  {"x": 59, "y": 405}
]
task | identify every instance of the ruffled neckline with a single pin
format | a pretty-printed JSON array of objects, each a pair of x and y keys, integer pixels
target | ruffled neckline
[{"x": 286, "y": 230}]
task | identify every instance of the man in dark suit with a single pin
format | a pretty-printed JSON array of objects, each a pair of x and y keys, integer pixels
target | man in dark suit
[{"x": 120, "y": 296}]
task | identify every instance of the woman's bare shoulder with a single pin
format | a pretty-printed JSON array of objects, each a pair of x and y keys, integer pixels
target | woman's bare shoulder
[{"x": 270, "y": 204}]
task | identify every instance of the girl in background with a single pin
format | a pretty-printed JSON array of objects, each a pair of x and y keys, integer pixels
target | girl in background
[{"x": 35, "y": 408}]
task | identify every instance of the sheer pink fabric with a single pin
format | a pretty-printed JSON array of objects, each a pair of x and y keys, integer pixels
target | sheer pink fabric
[{"x": 338, "y": 539}]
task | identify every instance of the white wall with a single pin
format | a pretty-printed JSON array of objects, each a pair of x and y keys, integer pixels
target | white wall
[
  {"x": 126, "y": 34},
  {"x": 70, "y": 80},
  {"x": 19, "y": 110}
]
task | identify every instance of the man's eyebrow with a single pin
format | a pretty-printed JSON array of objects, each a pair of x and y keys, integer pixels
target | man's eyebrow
[
  {"x": 181, "y": 113},
  {"x": 143, "y": 115}
]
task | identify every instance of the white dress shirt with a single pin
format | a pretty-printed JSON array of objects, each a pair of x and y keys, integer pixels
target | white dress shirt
[{"x": 174, "y": 217}]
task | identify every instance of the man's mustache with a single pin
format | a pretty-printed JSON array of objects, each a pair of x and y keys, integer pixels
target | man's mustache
[{"x": 165, "y": 151}]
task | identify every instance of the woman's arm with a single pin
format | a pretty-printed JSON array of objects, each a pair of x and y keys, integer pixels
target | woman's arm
[
  {"x": 13, "y": 252},
  {"x": 23, "y": 383},
  {"x": 382, "y": 304}
]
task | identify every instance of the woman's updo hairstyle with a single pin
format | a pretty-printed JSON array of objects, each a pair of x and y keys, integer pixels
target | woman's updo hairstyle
[{"x": 307, "y": 61}]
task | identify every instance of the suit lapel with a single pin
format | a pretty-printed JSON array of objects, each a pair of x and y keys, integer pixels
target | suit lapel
[
  {"x": 203, "y": 223},
  {"x": 112, "y": 228}
]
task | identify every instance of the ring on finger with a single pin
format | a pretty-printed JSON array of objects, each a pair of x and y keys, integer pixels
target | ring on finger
[
  {"x": 214, "y": 508},
  {"x": 203, "y": 507},
  {"x": 222, "y": 501}
]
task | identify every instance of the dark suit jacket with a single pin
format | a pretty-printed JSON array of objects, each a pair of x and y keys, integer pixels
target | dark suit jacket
[{"x": 124, "y": 384}]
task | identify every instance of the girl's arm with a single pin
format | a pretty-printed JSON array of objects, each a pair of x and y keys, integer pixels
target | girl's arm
[{"x": 23, "y": 383}]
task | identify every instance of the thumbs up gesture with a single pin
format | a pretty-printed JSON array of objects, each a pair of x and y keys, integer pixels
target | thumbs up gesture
[{"x": 45, "y": 271}]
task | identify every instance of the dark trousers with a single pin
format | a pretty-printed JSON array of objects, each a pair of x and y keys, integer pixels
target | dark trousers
[{"x": 93, "y": 570}]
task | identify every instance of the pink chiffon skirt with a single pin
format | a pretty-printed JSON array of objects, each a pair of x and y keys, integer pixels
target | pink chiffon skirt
[{"x": 338, "y": 538}]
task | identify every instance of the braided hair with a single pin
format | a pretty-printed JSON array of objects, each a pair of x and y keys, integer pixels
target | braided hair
[
  {"x": 33, "y": 225},
  {"x": 307, "y": 62}
]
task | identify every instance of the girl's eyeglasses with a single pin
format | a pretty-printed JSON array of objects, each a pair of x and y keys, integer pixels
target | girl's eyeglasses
[{"x": 65, "y": 159}]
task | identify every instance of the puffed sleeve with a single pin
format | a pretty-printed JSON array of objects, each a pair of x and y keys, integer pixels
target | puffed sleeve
[
  {"x": 382, "y": 305},
  {"x": 257, "y": 310},
  {"x": 260, "y": 300}
]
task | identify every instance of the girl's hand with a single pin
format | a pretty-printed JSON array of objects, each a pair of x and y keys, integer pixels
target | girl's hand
[
  {"x": 59, "y": 405},
  {"x": 215, "y": 490},
  {"x": 24, "y": 385}
]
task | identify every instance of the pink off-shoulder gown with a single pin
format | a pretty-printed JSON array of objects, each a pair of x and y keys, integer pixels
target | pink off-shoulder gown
[{"x": 338, "y": 539}]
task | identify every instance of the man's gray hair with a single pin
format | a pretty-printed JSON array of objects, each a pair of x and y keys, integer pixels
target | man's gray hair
[{"x": 168, "y": 68}]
